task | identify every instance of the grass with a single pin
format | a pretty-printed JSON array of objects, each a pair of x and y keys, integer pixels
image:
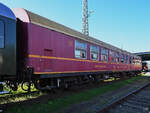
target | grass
[{"x": 52, "y": 106}]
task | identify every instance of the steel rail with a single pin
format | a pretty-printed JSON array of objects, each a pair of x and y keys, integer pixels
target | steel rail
[{"x": 108, "y": 106}]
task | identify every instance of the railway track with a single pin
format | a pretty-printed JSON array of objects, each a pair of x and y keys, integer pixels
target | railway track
[{"x": 137, "y": 101}]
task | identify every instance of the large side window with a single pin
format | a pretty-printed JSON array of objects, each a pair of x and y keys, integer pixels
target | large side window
[
  {"x": 122, "y": 58},
  {"x": 104, "y": 54},
  {"x": 94, "y": 52},
  {"x": 112, "y": 56},
  {"x": 117, "y": 57},
  {"x": 133, "y": 60},
  {"x": 126, "y": 59},
  {"x": 138, "y": 61},
  {"x": 1, "y": 34},
  {"x": 130, "y": 60},
  {"x": 80, "y": 50}
]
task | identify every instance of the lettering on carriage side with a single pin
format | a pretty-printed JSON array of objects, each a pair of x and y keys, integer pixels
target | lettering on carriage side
[
  {"x": 114, "y": 66},
  {"x": 100, "y": 66}
]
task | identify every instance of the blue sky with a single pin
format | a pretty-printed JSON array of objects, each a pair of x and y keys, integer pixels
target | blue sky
[{"x": 122, "y": 23}]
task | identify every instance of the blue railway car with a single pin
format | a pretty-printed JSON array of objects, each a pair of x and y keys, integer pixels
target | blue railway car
[{"x": 8, "y": 58}]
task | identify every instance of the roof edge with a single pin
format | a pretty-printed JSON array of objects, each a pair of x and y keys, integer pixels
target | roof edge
[
  {"x": 21, "y": 13},
  {"x": 6, "y": 12}
]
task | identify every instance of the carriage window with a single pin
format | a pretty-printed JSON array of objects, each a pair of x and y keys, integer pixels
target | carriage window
[
  {"x": 138, "y": 61},
  {"x": 130, "y": 60},
  {"x": 126, "y": 59},
  {"x": 133, "y": 60},
  {"x": 112, "y": 56},
  {"x": 117, "y": 57},
  {"x": 80, "y": 50},
  {"x": 94, "y": 51},
  {"x": 1, "y": 34},
  {"x": 104, "y": 54},
  {"x": 122, "y": 58}
]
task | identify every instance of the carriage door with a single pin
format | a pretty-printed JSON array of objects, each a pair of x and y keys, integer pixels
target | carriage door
[{"x": 47, "y": 60}]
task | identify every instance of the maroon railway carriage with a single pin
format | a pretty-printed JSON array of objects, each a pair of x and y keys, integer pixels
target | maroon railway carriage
[{"x": 61, "y": 55}]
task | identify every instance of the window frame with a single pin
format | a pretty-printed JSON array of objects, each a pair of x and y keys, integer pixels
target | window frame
[
  {"x": 127, "y": 59},
  {"x": 3, "y": 34},
  {"x": 130, "y": 60},
  {"x": 122, "y": 60},
  {"x": 107, "y": 54},
  {"x": 94, "y": 52},
  {"x": 114, "y": 55},
  {"x": 80, "y": 49},
  {"x": 117, "y": 57}
]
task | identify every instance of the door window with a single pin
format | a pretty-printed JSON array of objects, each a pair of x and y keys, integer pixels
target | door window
[{"x": 1, "y": 34}]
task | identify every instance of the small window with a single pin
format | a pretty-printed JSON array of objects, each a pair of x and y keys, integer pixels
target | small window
[
  {"x": 94, "y": 51},
  {"x": 133, "y": 60},
  {"x": 80, "y": 50},
  {"x": 126, "y": 59},
  {"x": 139, "y": 61},
  {"x": 112, "y": 56},
  {"x": 122, "y": 58},
  {"x": 130, "y": 60},
  {"x": 80, "y": 54},
  {"x": 1, "y": 34},
  {"x": 117, "y": 57},
  {"x": 104, "y": 54}
]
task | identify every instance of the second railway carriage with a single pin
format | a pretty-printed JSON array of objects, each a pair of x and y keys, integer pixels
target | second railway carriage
[
  {"x": 8, "y": 52},
  {"x": 55, "y": 52}
]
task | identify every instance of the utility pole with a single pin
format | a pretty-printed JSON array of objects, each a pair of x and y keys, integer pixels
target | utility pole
[{"x": 85, "y": 16}]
